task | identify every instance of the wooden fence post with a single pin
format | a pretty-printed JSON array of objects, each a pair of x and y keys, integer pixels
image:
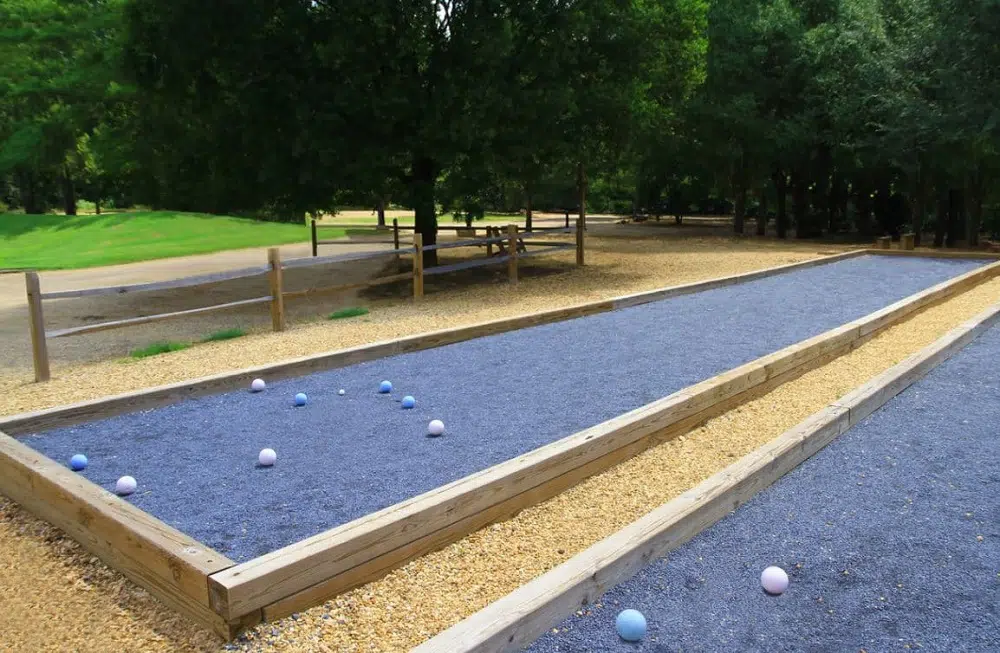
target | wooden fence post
[
  {"x": 395, "y": 233},
  {"x": 315, "y": 240},
  {"x": 39, "y": 348},
  {"x": 567, "y": 219},
  {"x": 489, "y": 246},
  {"x": 512, "y": 245},
  {"x": 579, "y": 241},
  {"x": 277, "y": 299},
  {"x": 418, "y": 265}
]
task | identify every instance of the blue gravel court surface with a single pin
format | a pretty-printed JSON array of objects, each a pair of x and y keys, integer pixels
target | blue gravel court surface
[
  {"x": 342, "y": 457},
  {"x": 890, "y": 537}
]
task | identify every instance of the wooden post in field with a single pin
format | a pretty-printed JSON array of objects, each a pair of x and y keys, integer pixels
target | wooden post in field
[
  {"x": 39, "y": 348},
  {"x": 579, "y": 241},
  {"x": 277, "y": 300},
  {"x": 908, "y": 241},
  {"x": 418, "y": 266},
  {"x": 315, "y": 240},
  {"x": 567, "y": 218},
  {"x": 395, "y": 233},
  {"x": 489, "y": 246},
  {"x": 512, "y": 245}
]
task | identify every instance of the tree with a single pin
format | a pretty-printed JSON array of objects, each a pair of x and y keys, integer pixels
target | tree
[{"x": 58, "y": 64}]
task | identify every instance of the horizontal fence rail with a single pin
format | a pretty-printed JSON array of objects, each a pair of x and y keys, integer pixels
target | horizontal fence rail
[{"x": 513, "y": 239}]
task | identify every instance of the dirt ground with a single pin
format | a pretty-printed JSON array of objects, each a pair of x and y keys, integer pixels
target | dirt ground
[{"x": 54, "y": 596}]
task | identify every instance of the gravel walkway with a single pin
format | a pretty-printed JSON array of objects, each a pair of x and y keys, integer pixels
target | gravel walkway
[
  {"x": 889, "y": 536},
  {"x": 343, "y": 457}
]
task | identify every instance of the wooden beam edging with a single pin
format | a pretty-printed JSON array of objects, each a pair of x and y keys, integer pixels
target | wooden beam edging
[
  {"x": 933, "y": 254},
  {"x": 158, "y": 317},
  {"x": 321, "y": 566},
  {"x": 170, "y": 565},
  {"x": 226, "y": 381},
  {"x": 522, "y": 616}
]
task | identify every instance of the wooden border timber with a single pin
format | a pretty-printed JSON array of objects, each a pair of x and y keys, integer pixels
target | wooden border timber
[
  {"x": 91, "y": 328},
  {"x": 314, "y": 569},
  {"x": 524, "y": 615},
  {"x": 152, "y": 397},
  {"x": 935, "y": 253},
  {"x": 170, "y": 565},
  {"x": 36, "y": 320}
]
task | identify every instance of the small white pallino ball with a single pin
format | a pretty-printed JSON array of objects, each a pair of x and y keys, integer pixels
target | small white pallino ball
[
  {"x": 341, "y": 392},
  {"x": 126, "y": 485},
  {"x": 436, "y": 427},
  {"x": 774, "y": 580},
  {"x": 267, "y": 457},
  {"x": 258, "y": 385}
]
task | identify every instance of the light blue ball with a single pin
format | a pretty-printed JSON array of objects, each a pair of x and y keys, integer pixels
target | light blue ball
[
  {"x": 631, "y": 625},
  {"x": 300, "y": 399},
  {"x": 385, "y": 387},
  {"x": 78, "y": 463},
  {"x": 409, "y": 402}
]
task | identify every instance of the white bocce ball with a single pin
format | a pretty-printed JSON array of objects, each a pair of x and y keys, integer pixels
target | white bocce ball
[
  {"x": 126, "y": 485},
  {"x": 774, "y": 580},
  {"x": 436, "y": 427},
  {"x": 267, "y": 457}
]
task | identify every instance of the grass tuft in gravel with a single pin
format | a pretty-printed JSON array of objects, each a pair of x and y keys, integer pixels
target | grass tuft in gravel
[
  {"x": 344, "y": 313},
  {"x": 158, "y": 348},
  {"x": 225, "y": 334}
]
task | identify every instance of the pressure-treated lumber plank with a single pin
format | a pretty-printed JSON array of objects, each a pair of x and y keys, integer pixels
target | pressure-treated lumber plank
[
  {"x": 522, "y": 616},
  {"x": 36, "y": 317},
  {"x": 117, "y": 324},
  {"x": 307, "y": 261},
  {"x": 934, "y": 254},
  {"x": 171, "y": 565},
  {"x": 308, "y": 569}
]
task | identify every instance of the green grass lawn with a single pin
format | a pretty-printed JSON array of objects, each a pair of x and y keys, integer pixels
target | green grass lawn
[{"x": 59, "y": 242}]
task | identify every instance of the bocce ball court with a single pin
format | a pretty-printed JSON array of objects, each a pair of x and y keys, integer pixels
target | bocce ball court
[
  {"x": 358, "y": 488},
  {"x": 880, "y": 531}
]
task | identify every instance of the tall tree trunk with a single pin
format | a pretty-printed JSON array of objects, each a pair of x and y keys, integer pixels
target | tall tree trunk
[
  {"x": 380, "y": 207},
  {"x": 821, "y": 193},
  {"x": 941, "y": 228},
  {"x": 740, "y": 186},
  {"x": 864, "y": 210},
  {"x": 883, "y": 213},
  {"x": 581, "y": 186},
  {"x": 422, "y": 183},
  {"x": 28, "y": 189},
  {"x": 920, "y": 193},
  {"x": 800, "y": 207},
  {"x": 834, "y": 218},
  {"x": 740, "y": 209},
  {"x": 781, "y": 187},
  {"x": 975, "y": 201},
  {"x": 97, "y": 207},
  {"x": 762, "y": 213},
  {"x": 69, "y": 192},
  {"x": 527, "y": 206},
  {"x": 956, "y": 216}
]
